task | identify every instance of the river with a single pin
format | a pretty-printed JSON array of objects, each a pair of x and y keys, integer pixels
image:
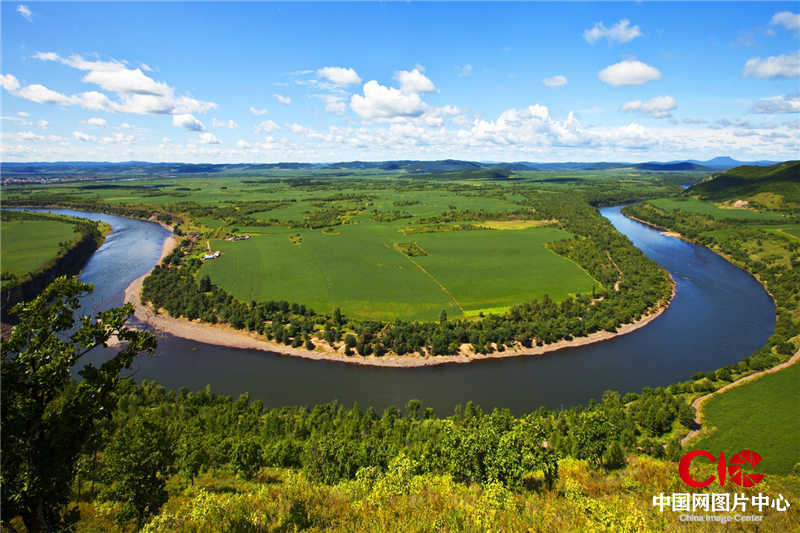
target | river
[{"x": 719, "y": 315}]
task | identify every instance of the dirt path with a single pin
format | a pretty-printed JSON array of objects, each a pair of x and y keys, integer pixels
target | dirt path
[
  {"x": 619, "y": 272},
  {"x": 699, "y": 402}
]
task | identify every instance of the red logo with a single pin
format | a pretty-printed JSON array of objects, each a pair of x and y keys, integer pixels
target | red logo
[{"x": 733, "y": 468}]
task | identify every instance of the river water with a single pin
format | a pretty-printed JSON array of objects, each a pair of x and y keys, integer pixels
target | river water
[{"x": 720, "y": 315}]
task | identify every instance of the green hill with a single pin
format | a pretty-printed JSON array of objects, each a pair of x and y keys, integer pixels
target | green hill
[{"x": 747, "y": 181}]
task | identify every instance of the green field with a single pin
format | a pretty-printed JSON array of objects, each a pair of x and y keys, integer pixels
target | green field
[
  {"x": 359, "y": 270},
  {"x": 762, "y": 416},
  {"x": 700, "y": 207},
  {"x": 26, "y": 245}
]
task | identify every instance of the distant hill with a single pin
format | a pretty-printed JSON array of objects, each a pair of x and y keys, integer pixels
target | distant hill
[
  {"x": 749, "y": 180},
  {"x": 685, "y": 165}
]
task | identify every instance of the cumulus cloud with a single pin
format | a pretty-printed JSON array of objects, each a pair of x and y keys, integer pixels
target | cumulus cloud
[
  {"x": 628, "y": 72},
  {"x": 414, "y": 81},
  {"x": 333, "y": 103},
  {"x": 464, "y": 71},
  {"x": 136, "y": 92},
  {"x": 231, "y": 124},
  {"x": 188, "y": 121},
  {"x": 257, "y": 112},
  {"x": 788, "y": 103},
  {"x": 83, "y": 137},
  {"x": 622, "y": 32},
  {"x": 305, "y": 132},
  {"x": 97, "y": 122},
  {"x": 380, "y": 102},
  {"x": 283, "y": 99},
  {"x": 42, "y": 95},
  {"x": 9, "y": 82},
  {"x": 241, "y": 143},
  {"x": 694, "y": 120},
  {"x": 25, "y": 12},
  {"x": 656, "y": 107},
  {"x": 787, "y": 19},
  {"x": 126, "y": 126},
  {"x": 339, "y": 75},
  {"x": 43, "y": 124},
  {"x": 268, "y": 126},
  {"x": 555, "y": 82},
  {"x": 783, "y": 66},
  {"x": 208, "y": 138}
]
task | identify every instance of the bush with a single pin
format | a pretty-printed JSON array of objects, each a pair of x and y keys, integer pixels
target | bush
[{"x": 614, "y": 456}]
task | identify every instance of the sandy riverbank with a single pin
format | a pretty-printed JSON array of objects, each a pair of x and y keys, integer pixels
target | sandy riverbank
[{"x": 222, "y": 335}]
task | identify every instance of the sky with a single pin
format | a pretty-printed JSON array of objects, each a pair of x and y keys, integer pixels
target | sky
[{"x": 320, "y": 82}]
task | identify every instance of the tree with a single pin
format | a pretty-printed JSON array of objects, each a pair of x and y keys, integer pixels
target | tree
[
  {"x": 138, "y": 460},
  {"x": 47, "y": 415}
]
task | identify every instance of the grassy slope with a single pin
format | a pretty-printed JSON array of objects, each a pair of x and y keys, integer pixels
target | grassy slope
[
  {"x": 29, "y": 244},
  {"x": 759, "y": 416},
  {"x": 746, "y": 181}
]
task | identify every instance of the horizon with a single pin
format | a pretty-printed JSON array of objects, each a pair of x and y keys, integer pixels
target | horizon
[{"x": 323, "y": 83}]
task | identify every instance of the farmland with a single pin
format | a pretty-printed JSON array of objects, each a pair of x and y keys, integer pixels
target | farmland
[
  {"x": 359, "y": 270},
  {"x": 29, "y": 244},
  {"x": 757, "y": 416},
  {"x": 710, "y": 209}
]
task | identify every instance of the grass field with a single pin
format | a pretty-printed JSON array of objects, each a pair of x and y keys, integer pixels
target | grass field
[
  {"x": 26, "y": 245},
  {"x": 762, "y": 416},
  {"x": 360, "y": 270},
  {"x": 710, "y": 209}
]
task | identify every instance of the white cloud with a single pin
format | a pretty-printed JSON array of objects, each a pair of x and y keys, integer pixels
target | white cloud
[
  {"x": 208, "y": 138},
  {"x": 188, "y": 121},
  {"x": 379, "y": 102},
  {"x": 97, "y": 122},
  {"x": 9, "y": 82},
  {"x": 243, "y": 144},
  {"x": 783, "y": 66},
  {"x": 268, "y": 126},
  {"x": 42, "y": 95},
  {"x": 117, "y": 138},
  {"x": 23, "y": 114},
  {"x": 555, "y": 81},
  {"x": 787, "y": 19},
  {"x": 339, "y": 75},
  {"x": 137, "y": 93},
  {"x": 283, "y": 99},
  {"x": 25, "y": 12},
  {"x": 694, "y": 120},
  {"x": 42, "y": 124},
  {"x": 258, "y": 112},
  {"x": 628, "y": 72},
  {"x": 231, "y": 124},
  {"x": 305, "y": 132},
  {"x": 656, "y": 107},
  {"x": 126, "y": 126},
  {"x": 414, "y": 81},
  {"x": 333, "y": 103},
  {"x": 788, "y": 103},
  {"x": 464, "y": 71},
  {"x": 621, "y": 32},
  {"x": 84, "y": 137}
]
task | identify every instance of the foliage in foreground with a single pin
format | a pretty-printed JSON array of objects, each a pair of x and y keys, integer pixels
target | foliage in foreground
[
  {"x": 48, "y": 416},
  {"x": 402, "y": 499}
]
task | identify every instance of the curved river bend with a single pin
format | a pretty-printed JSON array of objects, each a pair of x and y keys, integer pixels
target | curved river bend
[{"x": 719, "y": 315}]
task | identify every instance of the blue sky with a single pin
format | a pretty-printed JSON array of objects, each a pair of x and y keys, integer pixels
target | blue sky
[{"x": 263, "y": 82}]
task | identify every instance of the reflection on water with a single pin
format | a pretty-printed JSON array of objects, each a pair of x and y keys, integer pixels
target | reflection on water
[{"x": 719, "y": 315}]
